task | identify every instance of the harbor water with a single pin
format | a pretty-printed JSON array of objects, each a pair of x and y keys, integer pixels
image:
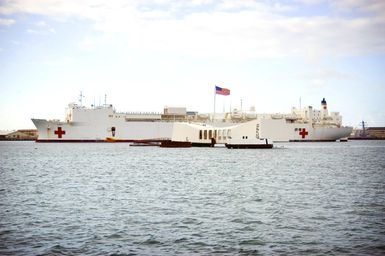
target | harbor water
[{"x": 113, "y": 199}]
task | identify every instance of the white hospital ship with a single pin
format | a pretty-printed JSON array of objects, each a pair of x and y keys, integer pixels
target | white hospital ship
[{"x": 103, "y": 123}]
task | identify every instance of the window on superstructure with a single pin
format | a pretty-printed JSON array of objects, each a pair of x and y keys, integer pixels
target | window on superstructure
[
  {"x": 219, "y": 134},
  {"x": 210, "y": 134},
  {"x": 205, "y": 134},
  {"x": 215, "y": 134},
  {"x": 200, "y": 134}
]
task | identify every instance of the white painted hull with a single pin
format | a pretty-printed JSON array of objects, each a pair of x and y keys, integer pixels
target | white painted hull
[
  {"x": 104, "y": 123},
  {"x": 94, "y": 132},
  {"x": 279, "y": 130},
  {"x": 276, "y": 130}
]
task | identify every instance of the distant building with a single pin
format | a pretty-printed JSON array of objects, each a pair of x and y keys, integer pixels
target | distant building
[
  {"x": 24, "y": 134},
  {"x": 3, "y": 134},
  {"x": 376, "y": 133}
]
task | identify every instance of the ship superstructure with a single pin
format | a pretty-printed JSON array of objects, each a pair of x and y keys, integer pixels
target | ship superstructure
[{"x": 301, "y": 124}]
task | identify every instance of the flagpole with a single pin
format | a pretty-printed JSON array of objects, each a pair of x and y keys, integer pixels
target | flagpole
[{"x": 215, "y": 96}]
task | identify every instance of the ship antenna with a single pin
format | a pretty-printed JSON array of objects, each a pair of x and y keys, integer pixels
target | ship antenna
[
  {"x": 105, "y": 99},
  {"x": 81, "y": 96}
]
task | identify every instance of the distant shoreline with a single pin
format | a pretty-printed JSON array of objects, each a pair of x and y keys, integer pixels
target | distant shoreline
[
  {"x": 360, "y": 138},
  {"x": 17, "y": 139}
]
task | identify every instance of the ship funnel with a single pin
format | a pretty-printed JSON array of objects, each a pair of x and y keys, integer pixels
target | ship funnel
[
  {"x": 323, "y": 103},
  {"x": 324, "y": 108}
]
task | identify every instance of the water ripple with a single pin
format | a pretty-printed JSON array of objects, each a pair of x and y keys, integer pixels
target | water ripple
[{"x": 112, "y": 199}]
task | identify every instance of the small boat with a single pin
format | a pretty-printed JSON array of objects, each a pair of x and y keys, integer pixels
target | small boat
[
  {"x": 110, "y": 139},
  {"x": 245, "y": 142},
  {"x": 135, "y": 142},
  {"x": 175, "y": 144},
  {"x": 145, "y": 144}
]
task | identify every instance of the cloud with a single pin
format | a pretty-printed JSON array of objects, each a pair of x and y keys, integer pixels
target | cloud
[
  {"x": 318, "y": 76},
  {"x": 41, "y": 28},
  {"x": 58, "y": 62},
  {"x": 93, "y": 42},
  {"x": 41, "y": 23},
  {"x": 325, "y": 73},
  {"x": 7, "y": 22},
  {"x": 368, "y": 6},
  {"x": 242, "y": 29},
  {"x": 41, "y": 32},
  {"x": 15, "y": 42},
  {"x": 309, "y": 2}
]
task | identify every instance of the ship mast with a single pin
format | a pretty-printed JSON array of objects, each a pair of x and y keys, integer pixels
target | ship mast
[
  {"x": 300, "y": 103},
  {"x": 363, "y": 134},
  {"x": 81, "y": 96}
]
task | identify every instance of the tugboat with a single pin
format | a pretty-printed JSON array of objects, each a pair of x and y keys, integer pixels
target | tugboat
[
  {"x": 246, "y": 142},
  {"x": 175, "y": 144}
]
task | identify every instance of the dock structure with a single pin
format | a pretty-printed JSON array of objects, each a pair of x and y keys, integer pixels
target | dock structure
[{"x": 23, "y": 134}]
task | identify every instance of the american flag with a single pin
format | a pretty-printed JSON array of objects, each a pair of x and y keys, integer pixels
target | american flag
[{"x": 222, "y": 91}]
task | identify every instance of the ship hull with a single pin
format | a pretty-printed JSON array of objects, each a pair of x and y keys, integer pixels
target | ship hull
[
  {"x": 157, "y": 131},
  {"x": 56, "y": 131},
  {"x": 281, "y": 131}
]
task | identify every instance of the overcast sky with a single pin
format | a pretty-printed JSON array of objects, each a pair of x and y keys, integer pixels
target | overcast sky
[{"x": 145, "y": 54}]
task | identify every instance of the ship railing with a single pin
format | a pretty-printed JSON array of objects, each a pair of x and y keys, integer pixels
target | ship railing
[
  {"x": 139, "y": 113},
  {"x": 55, "y": 120}
]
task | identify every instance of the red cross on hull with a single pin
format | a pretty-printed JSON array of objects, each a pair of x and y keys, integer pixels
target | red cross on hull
[
  {"x": 303, "y": 132},
  {"x": 59, "y": 132}
]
